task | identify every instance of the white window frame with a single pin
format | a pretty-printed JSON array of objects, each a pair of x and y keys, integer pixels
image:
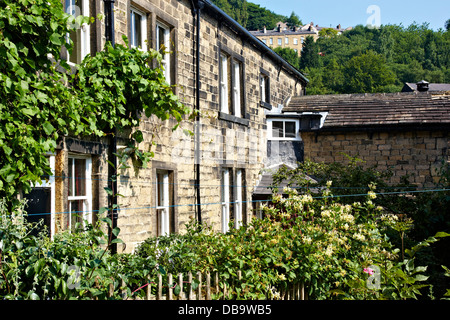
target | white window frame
[
  {"x": 284, "y": 120},
  {"x": 280, "y": 41},
  {"x": 166, "y": 54},
  {"x": 271, "y": 41},
  {"x": 286, "y": 40},
  {"x": 237, "y": 89},
  {"x": 143, "y": 25},
  {"x": 223, "y": 83},
  {"x": 295, "y": 41},
  {"x": 264, "y": 87},
  {"x": 163, "y": 208},
  {"x": 87, "y": 199},
  {"x": 225, "y": 201},
  {"x": 50, "y": 183},
  {"x": 226, "y": 198},
  {"x": 84, "y": 41},
  {"x": 238, "y": 207}
]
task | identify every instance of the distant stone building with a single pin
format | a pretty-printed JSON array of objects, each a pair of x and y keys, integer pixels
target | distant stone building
[{"x": 290, "y": 37}]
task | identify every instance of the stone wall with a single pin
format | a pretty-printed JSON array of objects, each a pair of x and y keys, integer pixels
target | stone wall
[
  {"x": 223, "y": 142},
  {"x": 415, "y": 153}
]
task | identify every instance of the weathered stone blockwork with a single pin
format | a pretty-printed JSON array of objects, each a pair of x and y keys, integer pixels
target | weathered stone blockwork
[
  {"x": 415, "y": 153},
  {"x": 223, "y": 140}
]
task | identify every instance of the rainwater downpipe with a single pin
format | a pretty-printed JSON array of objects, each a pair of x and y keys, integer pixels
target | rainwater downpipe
[
  {"x": 197, "y": 5},
  {"x": 112, "y": 168}
]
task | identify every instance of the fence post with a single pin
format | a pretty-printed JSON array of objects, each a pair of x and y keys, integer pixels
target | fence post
[
  {"x": 180, "y": 283},
  {"x": 169, "y": 287},
  {"x": 189, "y": 297},
  {"x": 302, "y": 291},
  {"x": 216, "y": 282},
  {"x": 208, "y": 286},
  {"x": 159, "y": 292},
  {"x": 199, "y": 288},
  {"x": 148, "y": 291}
]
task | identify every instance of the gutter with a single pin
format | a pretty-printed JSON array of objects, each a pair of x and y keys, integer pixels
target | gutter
[{"x": 255, "y": 41}]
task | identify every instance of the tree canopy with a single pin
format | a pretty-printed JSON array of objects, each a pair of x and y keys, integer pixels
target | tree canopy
[{"x": 376, "y": 60}]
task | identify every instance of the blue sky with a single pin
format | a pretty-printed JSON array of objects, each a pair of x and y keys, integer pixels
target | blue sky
[{"x": 353, "y": 12}]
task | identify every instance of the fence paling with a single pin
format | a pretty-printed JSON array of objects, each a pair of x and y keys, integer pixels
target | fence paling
[{"x": 293, "y": 291}]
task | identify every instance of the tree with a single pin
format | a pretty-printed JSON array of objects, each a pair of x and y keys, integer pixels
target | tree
[
  {"x": 236, "y": 9},
  {"x": 447, "y": 25},
  {"x": 328, "y": 32},
  {"x": 289, "y": 55},
  {"x": 310, "y": 54},
  {"x": 367, "y": 73},
  {"x": 294, "y": 20}
]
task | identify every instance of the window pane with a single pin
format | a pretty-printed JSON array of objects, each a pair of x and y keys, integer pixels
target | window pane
[
  {"x": 76, "y": 212},
  {"x": 277, "y": 129},
  {"x": 136, "y": 30},
  {"x": 80, "y": 177},
  {"x": 289, "y": 129},
  {"x": 77, "y": 177},
  {"x": 161, "y": 39},
  {"x": 74, "y": 8}
]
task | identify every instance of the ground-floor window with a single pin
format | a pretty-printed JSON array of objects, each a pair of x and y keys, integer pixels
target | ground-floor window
[
  {"x": 232, "y": 197},
  {"x": 165, "y": 221}
]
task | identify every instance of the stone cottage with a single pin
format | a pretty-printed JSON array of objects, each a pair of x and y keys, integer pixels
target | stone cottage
[
  {"x": 217, "y": 68},
  {"x": 407, "y": 133}
]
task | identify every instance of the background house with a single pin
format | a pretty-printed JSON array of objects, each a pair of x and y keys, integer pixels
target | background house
[
  {"x": 218, "y": 68},
  {"x": 285, "y": 36},
  {"x": 407, "y": 133}
]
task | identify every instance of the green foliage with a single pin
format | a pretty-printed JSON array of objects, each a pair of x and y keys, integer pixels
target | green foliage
[
  {"x": 420, "y": 215},
  {"x": 393, "y": 54},
  {"x": 367, "y": 73},
  {"x": 294, "y": 20},
  {"x": 75, "y": 265},
  {"x": 289, "y": 55},
  {"x": 310, "y": 54},
  {"x": 236, "y": 9},
  {"x": 39, "y": 103},
  {"x": 35, "y": 106},
  {"x": 327, "y": 241}
]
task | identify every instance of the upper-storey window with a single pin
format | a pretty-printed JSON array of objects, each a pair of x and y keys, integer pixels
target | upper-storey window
[
  {"x": 138, "y": 29},
  {"x": 80, "y": 36},
  {"x": 264, "y": 88},
  {"x": 231, "y": 85},
  {"x": 224, "y": 107},
  {"x": 283, "y": 129},
  {"x": 163, "y": 45}
]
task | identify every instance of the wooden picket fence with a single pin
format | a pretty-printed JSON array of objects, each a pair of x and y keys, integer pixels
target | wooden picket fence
[{"x": 207, "y": 287}]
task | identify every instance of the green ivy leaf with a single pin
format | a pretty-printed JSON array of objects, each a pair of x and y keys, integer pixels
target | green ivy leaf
[{"x": 48, "y": 128}]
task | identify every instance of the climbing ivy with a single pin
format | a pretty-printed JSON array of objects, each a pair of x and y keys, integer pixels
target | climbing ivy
[{"x": 42, "y": 99}]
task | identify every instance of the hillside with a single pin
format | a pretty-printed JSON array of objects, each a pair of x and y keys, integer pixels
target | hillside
[{"x": 359, "y": 60}]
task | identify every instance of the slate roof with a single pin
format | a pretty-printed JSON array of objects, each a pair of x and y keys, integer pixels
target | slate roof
[
  {"x": 408, "y": 87},
  {"x": 395, "y": 110},
  {"x": 266, "y": 180}
]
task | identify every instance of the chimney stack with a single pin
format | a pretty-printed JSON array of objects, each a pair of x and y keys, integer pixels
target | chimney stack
[{"x": 422, "y": 86}]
